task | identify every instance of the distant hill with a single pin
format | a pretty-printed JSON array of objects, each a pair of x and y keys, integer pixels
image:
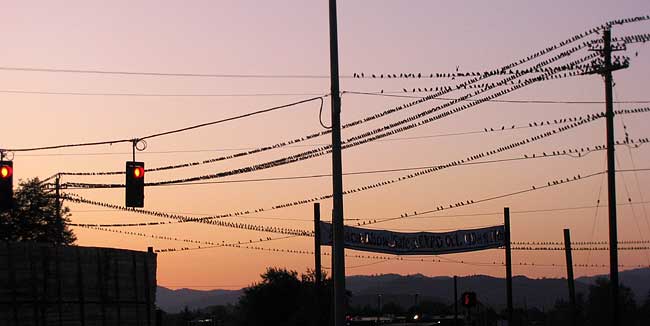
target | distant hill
[
  {"x": 173, "y": 301},
  {"x": 490, "y": 290},
  {"x": 541, "y": 293},
  {"x": 636, "y": 279}
]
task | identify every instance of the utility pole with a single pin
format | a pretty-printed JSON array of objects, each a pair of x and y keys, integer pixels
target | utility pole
[
  {"x": 338, "y": 246},
  {"x": 317, "y": 263},
  {"x": 606, "y": 71},
  {"x": 378, "y": 309},
  {"x": 569, "y": 275},
  {"x": 506, "y": 222},
  {"x": 59, "y": 220},
  {"x": 455, "y": 300}
]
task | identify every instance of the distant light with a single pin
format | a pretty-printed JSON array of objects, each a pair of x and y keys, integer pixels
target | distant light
[
  {"x": 6, "y": 171},
  {"x": 416, "y": 317}
]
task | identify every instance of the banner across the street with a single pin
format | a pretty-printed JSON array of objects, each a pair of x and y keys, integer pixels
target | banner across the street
[{"x": 418, "y": 243}]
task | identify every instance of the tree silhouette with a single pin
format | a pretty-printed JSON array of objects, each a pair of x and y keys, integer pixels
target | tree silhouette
[
  {"x": 284, "y": 299},
  {"x": 645, "y": 310},
  {"x": 599, "y": 308},
  {"x": 561, "y": 312},
  {"x": 34, "y": 217}
]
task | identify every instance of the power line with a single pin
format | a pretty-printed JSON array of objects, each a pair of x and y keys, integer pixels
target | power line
[
  {"x": 165, "y": 74},
  {"x": 156, "y": 94},
  {"x": 76, "y": 186},
  {"x": 255, "y": 149},
  {"x": 212, "y": 219},
  {"x": 424, "y": 216},
  {"x": 442, "y": 92},
  {"x": 380, "y": 259},
  {"x": 111, "y": 142},
  {"x": 486, "y": 199},
  {"x": 354, "y": 141},
  {"x": 496, "y": 100},
  {"x": 503, "y": 70}
]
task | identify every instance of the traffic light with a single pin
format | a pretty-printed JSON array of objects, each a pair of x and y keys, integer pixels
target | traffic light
[
  {"x": 6, "y": 185},
  {"x": 468, "y": 299},
  {"x": 134, "y": 184}
]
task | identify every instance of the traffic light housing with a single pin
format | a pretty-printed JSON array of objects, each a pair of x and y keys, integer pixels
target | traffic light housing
[
  {"x": 6, "y": 185},
  {"x": 134, "y": 184},
  {"x": 468, "y": 299}
]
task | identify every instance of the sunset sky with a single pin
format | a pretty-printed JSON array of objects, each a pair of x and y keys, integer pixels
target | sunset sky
[{"x": 289, "y": 38}]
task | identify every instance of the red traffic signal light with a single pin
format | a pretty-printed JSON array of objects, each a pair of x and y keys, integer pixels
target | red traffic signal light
[
  {"x": 6, "y": 171},
  {"x": 468, "y": 299},
  {"x": 138, "y": 172},
  {"x": 134, "y": 184},
  {"x": 6, "y": 185}
]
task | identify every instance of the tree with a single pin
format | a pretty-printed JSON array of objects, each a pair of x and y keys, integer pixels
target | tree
[
  {"x": 645, "y": 311},
  {"x": 284, "y": 299},
  {"x": 34, "y": 216},
  {"x": 560, "y": 314},
  {"x": 392, "y": 308},
  {"x": 599, "y": 308}
]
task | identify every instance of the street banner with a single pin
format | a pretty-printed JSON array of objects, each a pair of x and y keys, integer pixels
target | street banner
[{"x": 417, "y": 243}]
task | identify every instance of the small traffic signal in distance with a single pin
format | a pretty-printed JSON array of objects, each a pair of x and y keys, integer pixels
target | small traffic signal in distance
[
  {"x": 468, "y": 299},
  {"x": 6, "y": 185},
  {"x": 134, "y": 184}
]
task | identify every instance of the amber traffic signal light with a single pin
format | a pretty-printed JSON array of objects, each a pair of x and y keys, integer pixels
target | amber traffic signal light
[
  {"x": 134, "y": 184},
  {"x": 6, "y": 185}
]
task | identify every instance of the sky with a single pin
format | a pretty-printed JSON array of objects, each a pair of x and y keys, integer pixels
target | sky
[{"x": 281, "y": 38}]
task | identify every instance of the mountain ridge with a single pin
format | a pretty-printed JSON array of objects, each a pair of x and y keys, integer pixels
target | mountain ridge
[{"x": 401, "y": 289}]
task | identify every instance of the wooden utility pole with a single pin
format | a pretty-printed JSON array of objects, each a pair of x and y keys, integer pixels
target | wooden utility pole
[
  {"x": 569, "y": 276},
  {"x": 455, "y": 300},
  {"x": 611, "y": 178},
  {"x": 317, "y": 264},
  {"x": 338, "y": 246},
  {"x": 506, "y": 222},
  {"x": 606, "y": 71},
  {"x": 378, "y": 309}
]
